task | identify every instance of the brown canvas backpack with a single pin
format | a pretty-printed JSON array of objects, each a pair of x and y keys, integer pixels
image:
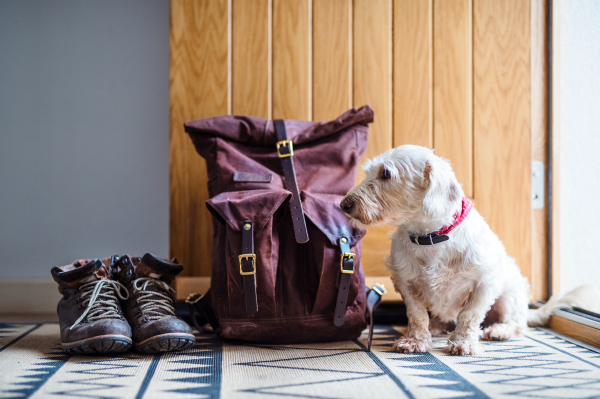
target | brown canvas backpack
[{"x": 285, "y": 261}]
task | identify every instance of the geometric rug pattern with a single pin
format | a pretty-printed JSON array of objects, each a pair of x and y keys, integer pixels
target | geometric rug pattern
[{"x": 537, "y": 365}]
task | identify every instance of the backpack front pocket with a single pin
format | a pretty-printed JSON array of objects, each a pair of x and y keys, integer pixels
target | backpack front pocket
[
  {"x": 236, "y": 211},
  {"x": 328, "y": 225}
]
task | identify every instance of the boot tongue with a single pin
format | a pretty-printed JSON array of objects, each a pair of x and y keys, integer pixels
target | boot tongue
[
  {"x": 80, "y": 272},
  {"x": 154, "y": 267}
]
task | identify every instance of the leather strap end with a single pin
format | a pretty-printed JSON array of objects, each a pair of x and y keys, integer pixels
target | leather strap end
[
  {"x": 248, "y": 268},
  {"x": 202, "y": 305},
  {"x": 347, "y": 269},
  {"x": 373, "y": 300}
]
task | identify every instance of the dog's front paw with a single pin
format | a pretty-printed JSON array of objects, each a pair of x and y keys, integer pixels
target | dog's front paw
[
  {"x": 464, "y": 347},
  {"x": 412, "y": 345}
]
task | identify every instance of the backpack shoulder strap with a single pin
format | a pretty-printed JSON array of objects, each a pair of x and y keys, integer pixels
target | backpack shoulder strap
[{"x": 285, "y": 150}]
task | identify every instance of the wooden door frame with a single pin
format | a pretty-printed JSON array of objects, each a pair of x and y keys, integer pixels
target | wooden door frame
[
  {"x": 545, "y": 136},
  {"x": 553, "y": 240}
]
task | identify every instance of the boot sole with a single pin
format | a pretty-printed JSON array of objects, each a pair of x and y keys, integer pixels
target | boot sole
[
  {"x": 165, "y": 343},
  {"x": 100, "y": 344}
]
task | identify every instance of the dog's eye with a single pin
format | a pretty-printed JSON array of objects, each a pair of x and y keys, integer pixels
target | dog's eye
[{"x": 385, "y": 174}]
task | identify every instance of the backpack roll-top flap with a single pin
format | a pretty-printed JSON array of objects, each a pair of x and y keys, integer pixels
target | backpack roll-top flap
[
  {"x": 325, "y": 155},
  {"x": 260, "y": 132}
]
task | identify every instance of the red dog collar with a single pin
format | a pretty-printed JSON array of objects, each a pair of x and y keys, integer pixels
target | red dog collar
[{"x": 441, "y": 234}]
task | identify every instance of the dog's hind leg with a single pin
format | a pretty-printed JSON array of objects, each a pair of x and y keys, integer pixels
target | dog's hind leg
[
  {"x": 501, "y": 331},
  {"x": 465, "y": 338},
  {"x": 508, "y": 315}
]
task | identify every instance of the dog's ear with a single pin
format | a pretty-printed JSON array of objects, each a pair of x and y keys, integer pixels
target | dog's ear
[{"x": 443, "y": 191}]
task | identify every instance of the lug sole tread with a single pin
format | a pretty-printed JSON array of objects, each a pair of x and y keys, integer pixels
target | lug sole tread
[
  {"x": 169, "y": 343},
  {"x": 99, "y": 346}
]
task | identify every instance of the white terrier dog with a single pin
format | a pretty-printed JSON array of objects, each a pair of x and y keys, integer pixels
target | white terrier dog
[{"x": 462, "y": 273}]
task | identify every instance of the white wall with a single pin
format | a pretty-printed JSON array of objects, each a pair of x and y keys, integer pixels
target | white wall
[
  {"x": 580, "y": 143},
  {"x": 84, "y": 131}
]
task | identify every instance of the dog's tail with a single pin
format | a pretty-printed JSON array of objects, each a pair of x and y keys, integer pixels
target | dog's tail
[{"x": 584, "y": 296}]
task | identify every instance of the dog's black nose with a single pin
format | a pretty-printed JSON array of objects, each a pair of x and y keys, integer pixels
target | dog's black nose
[{"x": 347, "y": 204}]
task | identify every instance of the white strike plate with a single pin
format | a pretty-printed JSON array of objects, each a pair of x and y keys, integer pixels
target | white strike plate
[{"x": 537, "y": 184}]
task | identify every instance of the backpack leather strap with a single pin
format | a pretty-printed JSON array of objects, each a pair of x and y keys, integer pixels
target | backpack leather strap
[
  {"x": 346, "y": 272},
  {"x": 373, "y": 300},
  {"x": 201, "y": 305},
  {"x": 248, "y": 267},
  {"x": 285, "y": 150}
]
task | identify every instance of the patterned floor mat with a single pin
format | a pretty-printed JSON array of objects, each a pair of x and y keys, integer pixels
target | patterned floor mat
[{"x": 538, "y": 365}]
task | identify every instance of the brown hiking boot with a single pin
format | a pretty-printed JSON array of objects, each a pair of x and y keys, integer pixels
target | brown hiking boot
[
  {"x": 149, "y": 310},
  {"x": 89, "y": 312}
]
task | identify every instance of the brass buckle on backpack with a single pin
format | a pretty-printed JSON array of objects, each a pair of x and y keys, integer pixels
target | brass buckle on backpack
[
  {"x": 189, "y": 300},
  {"x": 285, "y": 143},
  {"x": 247, "y": 257},
  {"x": 348, "y": 255},
  {"x": 379, "y": 288}
]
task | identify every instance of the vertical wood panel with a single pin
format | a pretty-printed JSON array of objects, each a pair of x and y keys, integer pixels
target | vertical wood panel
[
  {"x": 413, "y": 73},
  {"x": 250, "y": 57},
  {"x": 331, "y": 58},
  {"x": 199, "y": 86},
  {"x": 372, "y": 84},
  {"x": 291, "y": 59},
  {"x": 502, "y": 122},
  {"x": 452, "y": 87},
  {"x": 372, "y": 58},
  {"x": 539, "y": 75}
]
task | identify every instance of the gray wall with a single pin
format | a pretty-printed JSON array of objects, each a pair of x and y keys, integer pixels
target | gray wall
[
  {"x": 579, "y": 143},
  {"x": 84, "y": 131}
]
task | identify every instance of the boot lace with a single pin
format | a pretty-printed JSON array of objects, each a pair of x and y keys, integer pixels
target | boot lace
[
  {"x": 150, "y": 306},
  {"x": 93, "y": 296}
]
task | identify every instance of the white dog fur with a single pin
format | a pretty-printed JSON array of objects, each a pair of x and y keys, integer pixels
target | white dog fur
[{"x": 459, "y": 281}]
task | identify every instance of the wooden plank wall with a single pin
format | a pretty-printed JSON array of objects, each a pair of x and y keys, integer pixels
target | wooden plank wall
[
  {"x": 454, "y": 75},
  {"x": 502, "y": 122},
  {"x": 199, "y": 89},
  {"x": 372, "y": 84}
]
